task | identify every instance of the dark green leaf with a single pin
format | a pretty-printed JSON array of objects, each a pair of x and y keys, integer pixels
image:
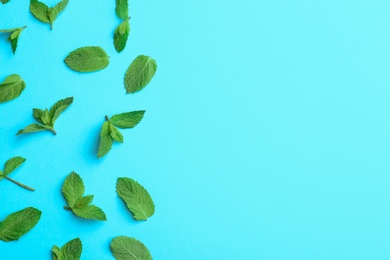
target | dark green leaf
[
  {"x": 122, "y": 9},
  {"x": 39, "y": 10},
  {"x": 4, "y": 1},
  {"x": 128, "y": 119},
  {"x": 12, "y": 164},
  {"x": 105, "y": 140},
  {"x": 19, "y": 223},
  {"x": 73, "y": 189},
  {"x": 120, "y": 35},
  {"x": 33, "y": 128},
  {"x": 84, "y": 201},
  {"x": 115, "y": 134},
  {"x": 58, "y": 108},
  {"x": 90, "y": 212},
  {"x": 70, "y": 251}
]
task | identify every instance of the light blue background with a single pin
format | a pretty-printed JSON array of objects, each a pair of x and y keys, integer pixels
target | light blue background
[{"x": 266, "y": 134}]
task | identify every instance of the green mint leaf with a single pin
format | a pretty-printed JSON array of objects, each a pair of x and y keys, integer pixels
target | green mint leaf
[
  {"x": 19, "y": 223},
  {"x": 84, "y": 201},
  {"x": 12, "y": 164},
  {"x": 70, "y": 251},
  {"x": 139, "y": 73},
  {"x": 122, "y": 9},
  {"x": 126, "y": 248},
  {"x": 11, "y": 88},
  {"x": 39, "y": 10},
  {"x": 58, "y": 108},
  {"x": 120, "y": 35},
  {"x": 90, "y": 212},
  {"x": 137, "y": 199},
  {"x": 4, "y": 1},
  {"x": 115, "y": 134},
  {"x": 14, "y": 36},
  {"x": 47, "y": 117},
  {"x": 87, "y": 59},
  {"x": 73, "y": 189},
  {"x": 56, "y": 10},
  {"x": 128, "y": 119},
  {"x": 105, "y": 140},
  {"x": 33, "y": 128}
]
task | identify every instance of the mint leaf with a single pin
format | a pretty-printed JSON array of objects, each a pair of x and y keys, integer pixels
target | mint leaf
[
  {"x": 70, "y": 251},
  {"x": 45, "y": 14},
  {"x": 87, "y": 59},
  {"x": 73, "y": 191},
  {"x": 115, "y": 134},
  {"x": 127, "y": 248},
  {"x": 137, "y": 198},
  {"x": 90, "y": 212},
  {"x": 139, "y": 73},
  {"x": 47, "y": 117},
  {"x": 128, "y": 119},
  {"x": 122, "y": 9},
  {"x": 39, "y": 10},
  {"x": 11, "y": 88},
  {"x": 4, "y": 1},
  {"x": 14, "y": 36},
  {"x": 9, "y": 167},
  {"x": 19, "y": 223},
  {"x": 105, "y": 140},
  {"x": 33, "y": 128},
  {"x": 12, "y": 164},
  {"x": 58, "y": 108},
  {"x": 121, "y": 34}
]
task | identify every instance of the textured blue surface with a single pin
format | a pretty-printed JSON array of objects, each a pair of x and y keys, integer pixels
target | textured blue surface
[{"x": 266, "y": 134}]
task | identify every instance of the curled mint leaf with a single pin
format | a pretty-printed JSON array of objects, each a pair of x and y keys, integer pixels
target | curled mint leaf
[
  {"x": 70, "y": 251},
  {"x": 73, "y": 191},
  {"x": 46, "y": 117},
  {"x": 139, "y": 73},
  {"x": 9, "y": 167},
  {"x": 45, "y": 14},
  {"x": 137, "y": 199},
  {"x": 19, "y": 223},
  {"x": 11, "y": 88},
  {"x": 126, "y": 248},
  {"x": 14, "y": 36},
  {"x": 87, "y": 59}
]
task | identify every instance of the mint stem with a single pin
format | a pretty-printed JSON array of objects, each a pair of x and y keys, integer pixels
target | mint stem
[
  {"x": 107, "y": 118},
  {"x": 53, "y": 131},
  {"x": 24, "y": 27},
  {"x": 67, "y": 208},
  {"x": 20, "y": 184}
]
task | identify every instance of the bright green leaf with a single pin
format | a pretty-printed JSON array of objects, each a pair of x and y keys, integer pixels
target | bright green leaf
[
  {"x": 58, "y": 108},
  {"x": 105, "y": 140},
  {"x": 39, "y": 10},
  {"x": 19, "y": 223},
  {"x": 122, "y": 9},
  {"x": 87, "y": 59},
  {"x": 90, "y": 212},
  {"x": 70, "y": 251},
  {"x": 11, "y": 88},
  {"x": 127, "y": 248},
  {"x": 33, "y": 128},
  {"x": 73, "y": 189},
  {"x": 12, "y": 164},
  {"x": 120, "y": 35},
  {"x": 84, "y": 201},
  {"x": 139, "y": 73},
  {"x": 137, "y": 199},
  {"x": 115, "y": 134}
]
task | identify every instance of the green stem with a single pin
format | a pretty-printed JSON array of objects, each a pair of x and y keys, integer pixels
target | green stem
[
  {"x": 106, "y": 117},
  {"x": 53, "y": 131},
  {"x": 67, "y": 208},
  {"x": 24, "y": 27},
  {"x": 20, "y": 184}
]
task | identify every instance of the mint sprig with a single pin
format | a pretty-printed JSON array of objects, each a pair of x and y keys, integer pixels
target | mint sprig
[
  {"x": 9, "y": 167},
  {"x": 46, "y": 117},
  {"x": 110, "y": 133},
  {"x": 14, "y": 36},
  {"x": 70, "y": 251},
  {"x": 47, "y": 14}
]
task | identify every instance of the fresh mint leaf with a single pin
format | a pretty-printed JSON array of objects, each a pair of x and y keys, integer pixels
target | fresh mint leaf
[
  {"x": 115, "y": 134},
  {"x": 105, "y": 140},
  {"x": 46, "y": 117},
  {"x": 122, "y": 9},
  {"x": 11, "y": 88},
  {"x": 4, "y": 1},
  {"x": 121, "y": 34},
  {"x": 87, "y": 59},
  {"x": 128, "y": 119},
  {"x": 127, "y": 248},
  {"x": 136, "y": 197},
  {"x": 73, "y": 191},
  {"x": 70, "y": 251},
  {"x": 139, "y": 73},
  {"x": 14, "y": 36},
  {"x": 19, "y": 223},
  {"x": 45, "y": 14},
  {"x": 9, "y": 167}
]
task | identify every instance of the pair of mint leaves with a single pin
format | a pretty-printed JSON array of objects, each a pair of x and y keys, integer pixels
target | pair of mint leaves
[
  {"x": 94, "y": 58},
  {"x": 9, "y": 167},
  {"x": 122, "y": 248},
  {"x": 137, "y": 199},
  {"x": 47, "y": 14}
]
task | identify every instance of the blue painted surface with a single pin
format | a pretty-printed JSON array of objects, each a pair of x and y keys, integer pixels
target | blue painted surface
[{"x": 266, "y": 134}]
